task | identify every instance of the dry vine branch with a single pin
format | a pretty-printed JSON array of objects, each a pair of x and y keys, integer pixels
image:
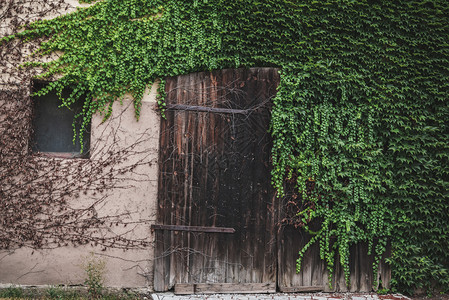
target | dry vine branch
[{"x": 38, "y": 193}]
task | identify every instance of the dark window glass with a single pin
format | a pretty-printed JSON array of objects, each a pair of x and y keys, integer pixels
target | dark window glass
[{"x": 52, "y": 125}]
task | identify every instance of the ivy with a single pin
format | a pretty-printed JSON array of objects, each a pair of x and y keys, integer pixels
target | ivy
[{"x": 361, "y": 111}]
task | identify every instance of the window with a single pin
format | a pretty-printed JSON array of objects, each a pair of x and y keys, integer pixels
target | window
[{"x": 52, "y": 126}]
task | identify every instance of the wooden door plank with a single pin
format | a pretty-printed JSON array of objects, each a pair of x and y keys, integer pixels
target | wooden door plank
[
  {"x": 184, "y": 289},
  {"x": 313, "y": 270},
  {"x": 193, "y": 228},
  {"x": 297, "y": 289},
  {"x": 215, "y": 173},
  {"x": 225, "y": 288},
  {"x": 206, "y": 109}
]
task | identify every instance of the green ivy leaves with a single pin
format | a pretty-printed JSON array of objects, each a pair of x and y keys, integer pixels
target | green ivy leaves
[{"x": 361, "y": 110}]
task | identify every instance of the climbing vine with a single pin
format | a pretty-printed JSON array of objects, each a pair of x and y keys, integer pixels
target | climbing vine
[{"x": 360, "y": 114}]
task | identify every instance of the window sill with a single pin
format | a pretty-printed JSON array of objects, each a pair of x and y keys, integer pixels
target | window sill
[{"x": 67, "y": 155}]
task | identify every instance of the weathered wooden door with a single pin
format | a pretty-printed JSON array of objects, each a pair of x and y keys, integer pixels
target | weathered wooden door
[
  {"x": 216, "y": 215},
  {"x": 314, "y": 275},
  {"x": 219, "y": 223}
]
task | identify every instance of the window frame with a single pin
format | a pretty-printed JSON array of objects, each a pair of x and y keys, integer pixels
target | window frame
[{"x": 35, "y": 139}]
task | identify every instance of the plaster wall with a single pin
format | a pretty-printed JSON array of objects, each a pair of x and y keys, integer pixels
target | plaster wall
[
  {"x": 134, "y": 198},
  {"x": 129, "y": 268}
]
